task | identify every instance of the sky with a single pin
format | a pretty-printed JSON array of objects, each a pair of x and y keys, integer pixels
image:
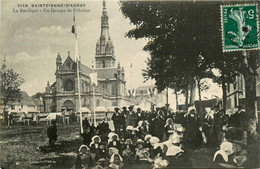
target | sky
[{"x": 31, "y": 41}]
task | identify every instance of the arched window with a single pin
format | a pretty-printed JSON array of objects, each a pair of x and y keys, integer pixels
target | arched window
[{"x": 103, "y": 64}]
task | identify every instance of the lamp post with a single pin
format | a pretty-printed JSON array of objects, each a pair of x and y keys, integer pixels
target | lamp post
[{"x": 115, "y": 75}]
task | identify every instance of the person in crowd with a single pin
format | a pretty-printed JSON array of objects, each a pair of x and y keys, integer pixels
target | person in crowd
[
  {"x": 128, "y": 153},
  {"x": 168, "y": 128},
  {"x": 94, "y": 145},
  {"x": 176, "y": 155},
  {"x": 103, "y": 130},
  {"x": 231, "y": 154},
  {"x": 140, "y": 115},
  {"x": 127, "y": 148},
  {"x": 116, "y": 162},
  {"x": 52, "y": 133},
  {"x": 84, "y": 159},
  {"x": 88, "y": 132},
  {"x": 216, "y": 134},
  {"x": 234, "y": 125},
  {"x": 223, "y": 125},
  {"x": 128, "y": 133},
  {"x": 143, "y": 129},
  {"x": 113, "y": 141},
  {"x": 193, "y": 132},
  {"x": 208, "y": 125},
  {"x": 112, "y": 150},
  {"x": 100, "y": 164},
  {"x": 139, "y": 148},
  {"x": 102, "y": 152},
  {"x": 134, "y": 137},
  {"x": 123, "y": 122},
  {"x": 151, "y": 120},
  {"x": 156, "y": 150},
  {"x": 147, "y": 143},
  {"x": 116, "y": 120},
  {"x": 144, "y": 161},
  {"x": 131, "y": 118},
  {"x": 159, "y": 125}
]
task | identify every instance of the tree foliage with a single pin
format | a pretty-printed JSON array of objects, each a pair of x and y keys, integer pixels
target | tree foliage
[
  {"x": 184, "y": 41},
  {"x": 10, "y": 86}
]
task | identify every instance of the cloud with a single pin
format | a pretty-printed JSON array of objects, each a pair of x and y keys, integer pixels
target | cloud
[{"x": 36, "y": 70}]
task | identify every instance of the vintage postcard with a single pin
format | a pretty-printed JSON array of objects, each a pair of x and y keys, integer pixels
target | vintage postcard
[{"x": 95, "y": 84}]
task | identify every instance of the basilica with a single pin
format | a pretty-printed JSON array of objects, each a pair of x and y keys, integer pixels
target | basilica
[{"x": 111, "y": 88}]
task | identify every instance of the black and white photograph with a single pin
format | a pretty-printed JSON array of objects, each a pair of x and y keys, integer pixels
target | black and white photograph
[{"x": 129, "y": 84}]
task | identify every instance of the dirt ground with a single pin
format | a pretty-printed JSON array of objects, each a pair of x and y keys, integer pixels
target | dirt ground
[{"x": 27, "y": 147}]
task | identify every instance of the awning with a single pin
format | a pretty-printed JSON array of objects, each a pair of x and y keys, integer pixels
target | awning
[
  {"x": 53, "y": 115},
  {"x": 85, "y": 110},
  {"x": 100, "y": 109},
  {"x": 111, "y": 109}
]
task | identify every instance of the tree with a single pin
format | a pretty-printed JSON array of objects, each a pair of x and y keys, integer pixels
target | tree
[
  {"x": 10, "y": 88},
  {"x": 179, "y": 35},
  {"x": 169, "y": 49}
]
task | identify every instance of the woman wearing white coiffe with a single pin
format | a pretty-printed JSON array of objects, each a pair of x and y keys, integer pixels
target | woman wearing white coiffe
[
  {"x": 208, "y": 125},
  {"x": 175, "y": 154},
  {"x": 94, "y": 145},
  {"x": 116, "y": 161},
  {"x": 84, "y": 159},
  {"x": 193, "y": 133},
  {"x": 113, "y": 141}
]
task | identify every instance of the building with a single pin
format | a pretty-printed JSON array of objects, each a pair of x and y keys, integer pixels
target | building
[
  {"x": 146, "y": 96},
  {"x": 110, "y": 91},
  {"x": 236, "y": 92},
  {"x": 25, "y": 105}
]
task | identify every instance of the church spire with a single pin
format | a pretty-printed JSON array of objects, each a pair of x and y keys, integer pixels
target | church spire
[{"x": 104, "y": 44}]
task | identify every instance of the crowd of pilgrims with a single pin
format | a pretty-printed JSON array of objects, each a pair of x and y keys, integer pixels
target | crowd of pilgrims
[{"x": 158, "y": 139}]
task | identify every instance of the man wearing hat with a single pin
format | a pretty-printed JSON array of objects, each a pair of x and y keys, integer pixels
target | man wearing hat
[
  {"x": 122, "y": 120},
  {"x": 140, "y": 115},
  {"x": 116, "y": 120},
  {"x": 131, "y": 118}
]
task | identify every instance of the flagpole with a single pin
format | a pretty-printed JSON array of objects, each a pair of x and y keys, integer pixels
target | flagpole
[
  {"x": 77, "y": 61},
  {"x": 94, "y": 101}
]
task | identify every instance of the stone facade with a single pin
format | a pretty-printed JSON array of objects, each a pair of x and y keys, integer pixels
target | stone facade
[{"x": 111, "y": 90}]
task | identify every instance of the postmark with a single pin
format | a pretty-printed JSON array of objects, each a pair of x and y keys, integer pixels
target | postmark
[{"x": 240, "y": 27}]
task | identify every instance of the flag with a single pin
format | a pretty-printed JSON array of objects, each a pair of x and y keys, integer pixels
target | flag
[
  {"x": 93, "y": 78},
  {"x": 73, "y": 29},
  {"x": 148, "y": 91}
]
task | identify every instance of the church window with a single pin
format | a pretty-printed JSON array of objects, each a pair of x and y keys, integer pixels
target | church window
[
  {"x": 103, "y": 64},
  {"x": 83, "y": 89},
  {"x": 113, "y": 90},
  {"x": 98, "y": 102}
]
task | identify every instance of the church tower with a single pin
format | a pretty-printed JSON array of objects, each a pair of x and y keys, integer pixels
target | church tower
[{"x": 105, "y": 57}]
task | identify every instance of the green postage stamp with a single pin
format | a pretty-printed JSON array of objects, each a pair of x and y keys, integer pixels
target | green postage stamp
[{"x": 240, "y": 27}]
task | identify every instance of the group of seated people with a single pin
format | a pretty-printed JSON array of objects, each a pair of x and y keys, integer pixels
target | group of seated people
[
  {"x": 152, "y": 140},
  {"x": 133, "y": 147}
]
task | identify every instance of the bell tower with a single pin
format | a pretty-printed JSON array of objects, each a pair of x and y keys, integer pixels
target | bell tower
[{"x": 105, "y": 57}]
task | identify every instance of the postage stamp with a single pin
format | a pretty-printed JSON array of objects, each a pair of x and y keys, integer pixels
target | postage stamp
[{"x": 240, "y": 27}]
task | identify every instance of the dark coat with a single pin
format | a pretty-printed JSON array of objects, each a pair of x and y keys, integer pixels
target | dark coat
[
  {"x": 52, "y": 131},
  {"x": 131, "y": 119},
  {"x": 83, "y": 161},
  {"x": 192, "y": 135},
  {"x": 159, "y": 127},
  {"x": 101, "y": 154},
  {"x": 118, "y": 145},
  {"x": 116, "y": 119}
]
